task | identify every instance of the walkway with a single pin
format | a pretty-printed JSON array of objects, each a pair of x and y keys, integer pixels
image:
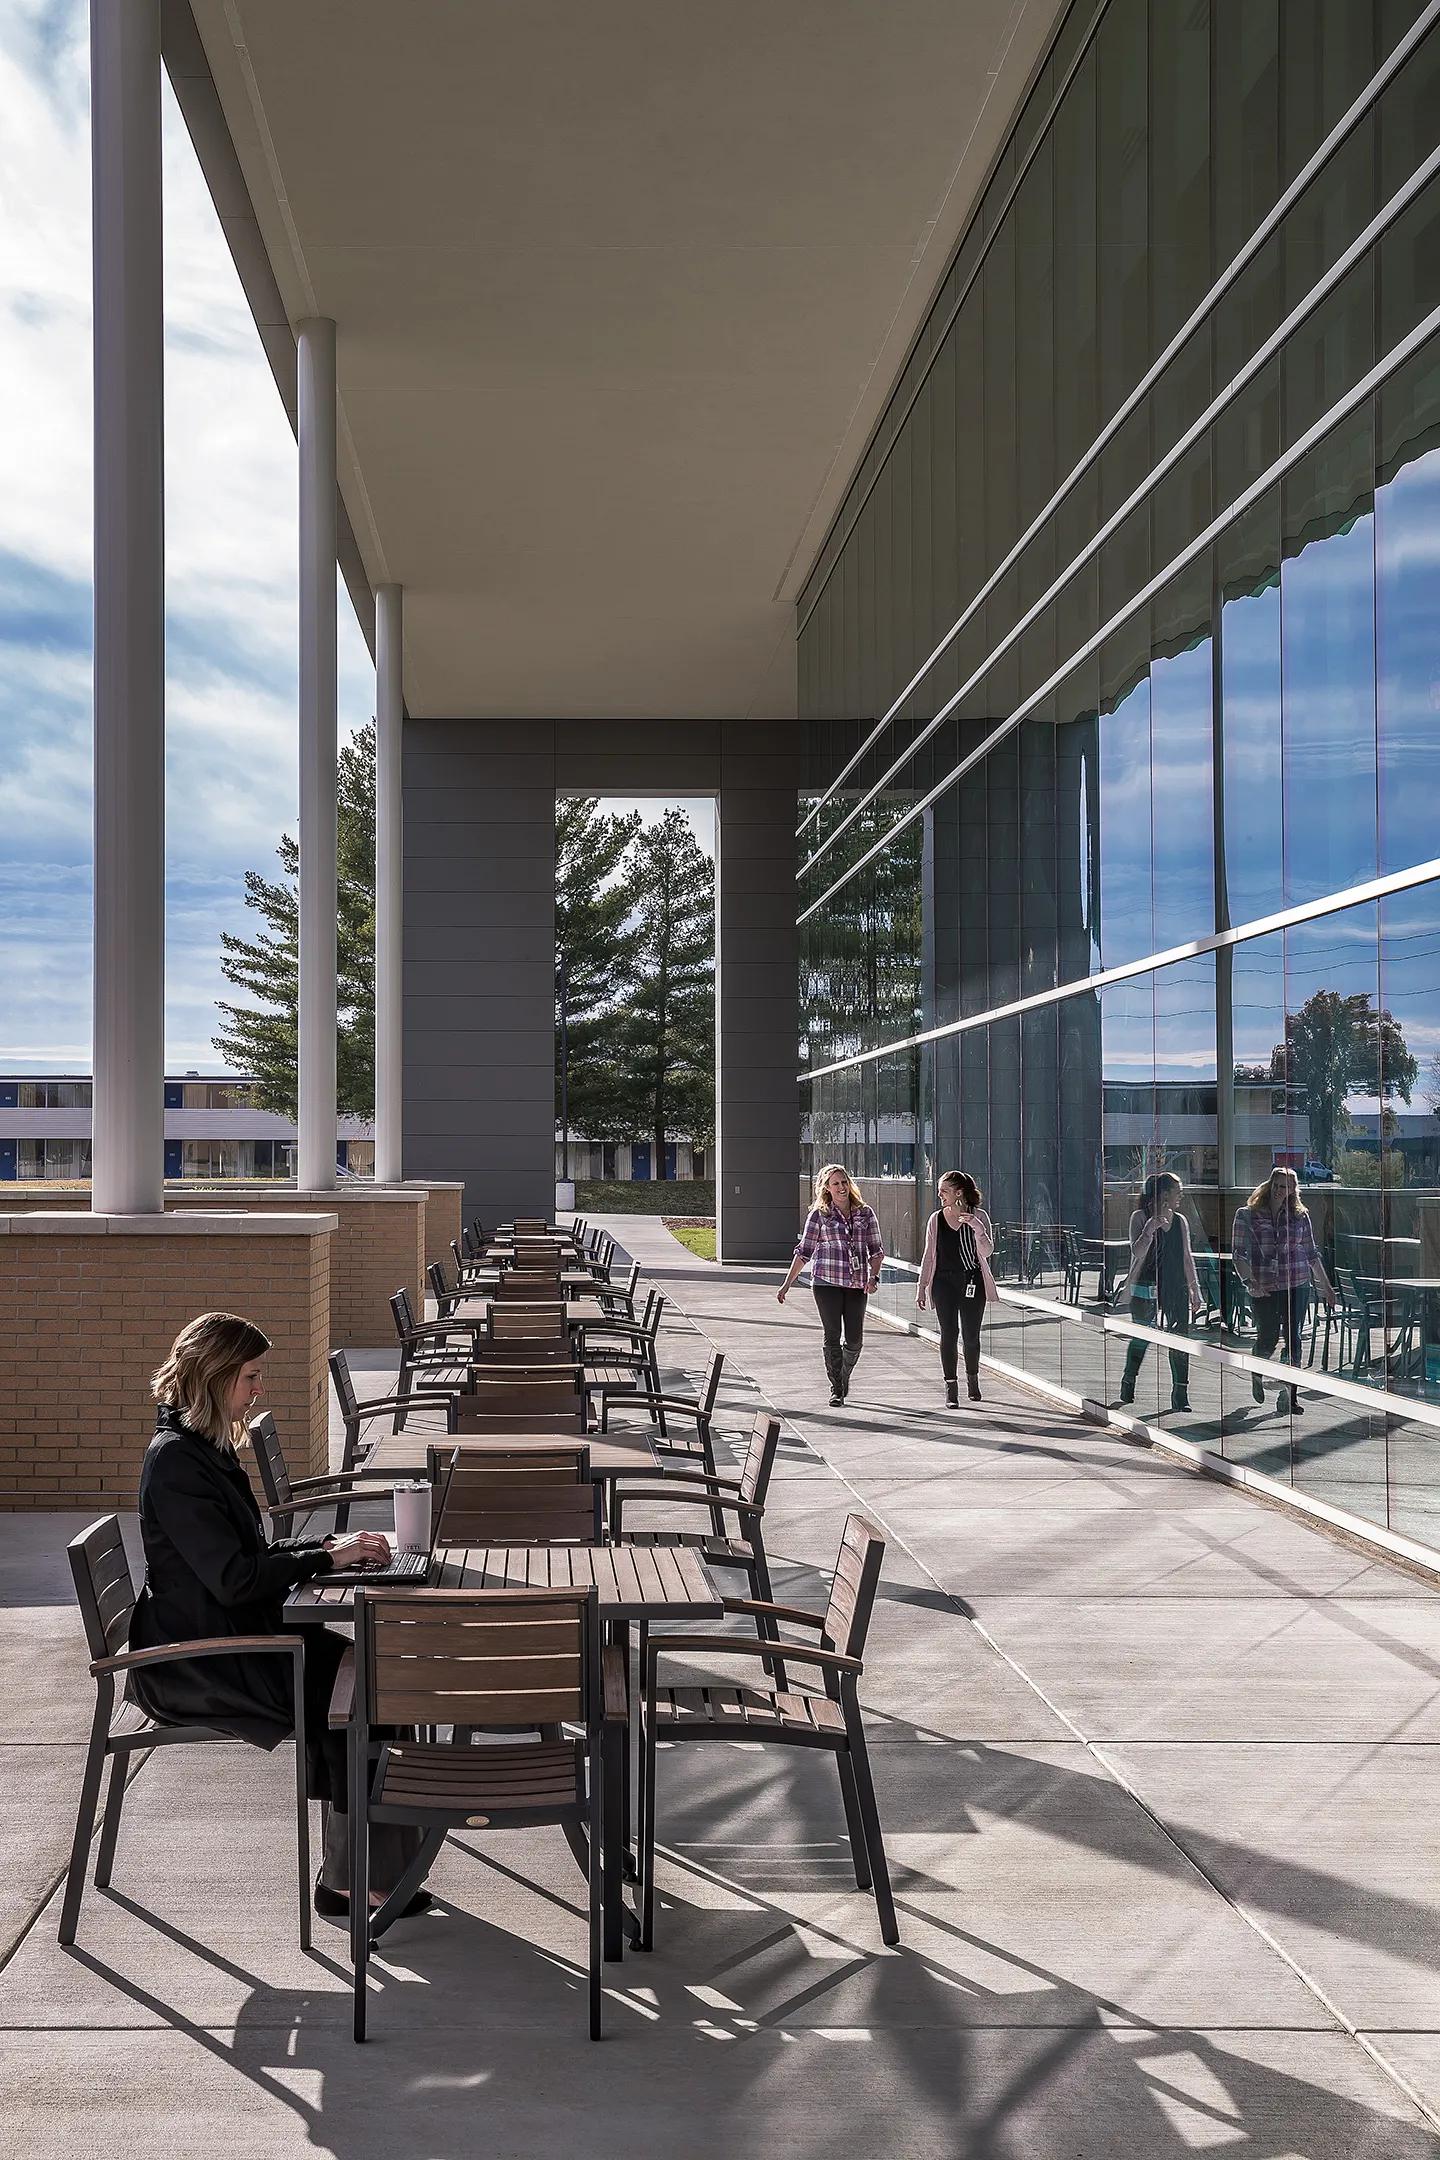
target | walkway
[{"x": 1155, "y": 1766}]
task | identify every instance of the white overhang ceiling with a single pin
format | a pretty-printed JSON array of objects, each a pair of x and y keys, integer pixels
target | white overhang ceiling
[{"x": 619, "y": 292}]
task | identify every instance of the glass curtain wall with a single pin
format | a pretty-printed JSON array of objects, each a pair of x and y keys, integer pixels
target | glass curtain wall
[{"x": 1121, "y": 674}]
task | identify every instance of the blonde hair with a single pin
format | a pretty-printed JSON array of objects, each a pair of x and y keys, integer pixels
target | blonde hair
[
  {"x": 1294, "y": 1205},
  {"x": 200, "y": 1371},
  {"x": 822, "y": 1187}
]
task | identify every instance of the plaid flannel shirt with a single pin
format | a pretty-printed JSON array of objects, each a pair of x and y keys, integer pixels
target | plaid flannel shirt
[
  {"x": 1272, "y": 1255},
  {"x": 841, "y": 1249}
]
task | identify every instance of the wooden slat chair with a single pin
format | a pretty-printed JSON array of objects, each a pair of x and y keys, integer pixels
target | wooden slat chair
[
  {"x": 743, "y": 1497},
  {"x": 510, "y": 1411},
  {"x": 507, "y": 1388},
  {"x": 513, "y": 1323},
  {"x": 619, "y": 1304},
  {"x": 726, "y": 1711},
  {"x": 467, "y": 1266},
  {"x": 700, "y": 1407},
  {"x": 429, "y": 1347},
  {"x": 498, "y": 1659},
  {"x": 624, "y": 1358},
  {"x": 106, "y": 1595},
  {"x": 449, "y": 1301},
  {"x": 357, "y": 1413},
  {"x": 287, "y": 1497},
  {"x": 516, "y": 1496}
]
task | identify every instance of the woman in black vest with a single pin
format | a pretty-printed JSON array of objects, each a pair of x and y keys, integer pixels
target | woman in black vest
[
  {"x": 955, "y": 1276},
  {"x": 209, "y": 1571},
  {"x": 1162, "y": 1286}
]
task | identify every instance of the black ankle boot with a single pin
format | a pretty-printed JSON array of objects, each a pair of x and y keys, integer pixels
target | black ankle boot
[
  {"x": 952, "y": 1394},
  {"x": 972, "y": 1387}
]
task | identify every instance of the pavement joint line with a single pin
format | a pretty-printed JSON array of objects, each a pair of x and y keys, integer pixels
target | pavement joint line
[{"x": 1307, "y": 1980}]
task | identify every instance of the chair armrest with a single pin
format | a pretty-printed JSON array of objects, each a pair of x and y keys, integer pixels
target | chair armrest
[
  {"x": 397, "y": 1402},
  {"x": 204, "y": 1646},
  {"x": 684, "y": 1499},
  {"x": 426, "y": 1328},
  {"x": 616, "y": 1694},
  {"x": 794, "y": 1613},
  {"x": 300, "y": 1503},
  {"x": 742, "y": 1646},
  {"x": 717, "y": 1485},
  {"x": 341, "y": 1480},
  {"x": 685, "y": 1406},
  {"x": 342, "y": 1695}
]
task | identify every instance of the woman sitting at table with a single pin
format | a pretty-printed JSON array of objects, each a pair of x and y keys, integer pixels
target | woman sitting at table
[{"x": 209, "y": 1571}]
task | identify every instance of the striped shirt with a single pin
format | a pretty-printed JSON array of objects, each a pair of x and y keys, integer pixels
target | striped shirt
[{"x": 841, "y": 1248}]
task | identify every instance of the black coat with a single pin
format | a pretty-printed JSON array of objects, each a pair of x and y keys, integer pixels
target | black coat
[{"x": 209, "y": 1571}]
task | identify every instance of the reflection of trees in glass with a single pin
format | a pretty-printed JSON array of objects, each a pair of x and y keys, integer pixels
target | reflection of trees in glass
[
  {"x": 860, "y": 956},
  {"x": 1337, "y": 1046}
]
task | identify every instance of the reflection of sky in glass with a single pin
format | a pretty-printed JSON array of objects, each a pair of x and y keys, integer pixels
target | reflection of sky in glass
[
  {"x": 1339, "y": 952},
  {"x": 1182, "y": 806},
  {"x": 1127, "y": 1021},
  {"x": 1407, "y": 608},
  {"x": 1185, "y": 1020},
  {"x": 1125, "y": 925},
  {"x": 1410, "y": 985},
  {"x": 1250, "y": 687},
  {"x": 1327, "y": 600},
  {"x": 1257, "y": 999}
]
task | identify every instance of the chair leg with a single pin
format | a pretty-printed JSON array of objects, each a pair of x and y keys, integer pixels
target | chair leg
[
  {"x": 854, "y": 1820},
  {"x": 870, "y": 1821},
  {"x": 647, "y": 1834},
  {"x": 402, "y": 1389},
  {"x": 85, "y": 1815},
  {"x": 653, "y": 1390},
  {"x": 110, "y": 1821},
  {"x": 359, "y": 1878},
  {"x": 302, "y": 1806},
  {"x": 597, "y": 1839}
]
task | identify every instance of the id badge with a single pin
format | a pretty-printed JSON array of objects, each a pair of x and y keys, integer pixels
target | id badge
[{"x": 970, "y": 1287}]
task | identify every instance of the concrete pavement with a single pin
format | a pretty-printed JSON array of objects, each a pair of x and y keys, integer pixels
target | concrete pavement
[{"x": 1154, "y": 1765}]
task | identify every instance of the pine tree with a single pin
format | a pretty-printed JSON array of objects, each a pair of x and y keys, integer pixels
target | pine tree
[
  {"x": 265, "y": 1041},
  {"x": 663, "y": 1074},
  {"x": 595, "y": 948}
]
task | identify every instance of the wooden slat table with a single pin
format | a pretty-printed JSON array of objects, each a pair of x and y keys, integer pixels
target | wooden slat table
[{"x": 623, "y": 1455}]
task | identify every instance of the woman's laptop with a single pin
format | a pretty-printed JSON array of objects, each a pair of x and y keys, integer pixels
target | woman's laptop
[{"x": 401, "y": 1567}]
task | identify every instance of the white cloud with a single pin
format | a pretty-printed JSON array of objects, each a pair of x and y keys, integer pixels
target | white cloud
[{"x": 231, "y": 569}]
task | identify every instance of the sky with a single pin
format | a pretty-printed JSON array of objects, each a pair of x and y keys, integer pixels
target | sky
[
  {"x": 231, "y": 575},
  {"x": 231, "y": 545}
]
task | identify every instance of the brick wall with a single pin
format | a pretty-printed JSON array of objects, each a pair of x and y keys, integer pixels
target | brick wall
[
  {"x": 379, "y": 1248},
  {"x": 87, "y": 1314},
  {"x": 443, "y": 1217}
]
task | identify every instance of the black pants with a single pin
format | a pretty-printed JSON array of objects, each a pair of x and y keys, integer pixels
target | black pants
[
  {"x": 840, "y": 1310},
  {"x": 959, "y": 1302},
  {"x": 1174, "y": 1323},
  {"x": 1282, "y": 1313}
]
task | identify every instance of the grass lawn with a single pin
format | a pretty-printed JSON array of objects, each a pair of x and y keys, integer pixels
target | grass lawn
[{"x": 698, "y": 1238}]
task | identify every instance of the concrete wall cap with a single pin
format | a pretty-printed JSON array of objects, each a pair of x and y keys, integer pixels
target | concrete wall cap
[{"x": 238, "y": 1223}]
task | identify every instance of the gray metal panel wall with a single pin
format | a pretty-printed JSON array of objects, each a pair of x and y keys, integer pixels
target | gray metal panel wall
[
  {"x": 757, "y": 1111},
  {"x": 479, "y": 1057}
]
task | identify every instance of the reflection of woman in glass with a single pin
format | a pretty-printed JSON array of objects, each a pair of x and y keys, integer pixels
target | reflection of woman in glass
[
  {"x": 1277, "y": 1259},
  {"x": 956, "y": 1273},
  {"x": 1162, "y": 1285}
]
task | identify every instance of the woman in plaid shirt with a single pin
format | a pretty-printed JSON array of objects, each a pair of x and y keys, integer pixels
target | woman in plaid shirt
[{"x": 841, "y": 1240}]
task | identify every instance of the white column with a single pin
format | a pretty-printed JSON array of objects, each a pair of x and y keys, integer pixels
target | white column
[
  {"x": 389, "y": 713},
  {"x": 315, "y": 1166},
  {"x": 129, "y": 1007}
]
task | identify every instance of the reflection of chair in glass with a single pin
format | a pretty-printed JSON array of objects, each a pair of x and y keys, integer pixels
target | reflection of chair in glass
[
  {"x": 1072, "y": 1249},
  {"x": 1239, "y": 1313},
  {"x": 1207, "y": 1269},
  {"x": 1357, "y": 1324}
]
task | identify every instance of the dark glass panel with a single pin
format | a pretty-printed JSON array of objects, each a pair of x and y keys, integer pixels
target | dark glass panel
[
  {"x": 1327, "y": 633},
  {"x": 1001, "y": 526},
  {"x": 1338, "y": 203},
  {"x": 1253, "y": 883},
  {"x": 1246, "y": 119},
  {"x": 968, "y": 336},
  {"x": 1327, "y": 57},
  {"x": 1409, "y": 115},
  {"x": 1123, "y": 176},
  {"x": 1035, "y": 339},
  {"x": 974, "y": 1147},
  {"x": 1040, "y": 1136},
  {"x": 1002, "y": 832},
  {"x": 1006, "y": 1193},
  {"x": 922, "y": 543},
  {"x": 1076, "y": 353},
  {"x": 1246, "y": 436},
  {"x": 1180, "y": 266},
  {"x": 1039, "y": 915},
  {"x": 1082, "y": 1156},
  {"x": 1410, "y": 268},
  {"x": 1330, "y": 352}
]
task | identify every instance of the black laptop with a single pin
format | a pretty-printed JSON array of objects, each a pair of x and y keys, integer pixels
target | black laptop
[{"x": 402, "y": 1567}]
